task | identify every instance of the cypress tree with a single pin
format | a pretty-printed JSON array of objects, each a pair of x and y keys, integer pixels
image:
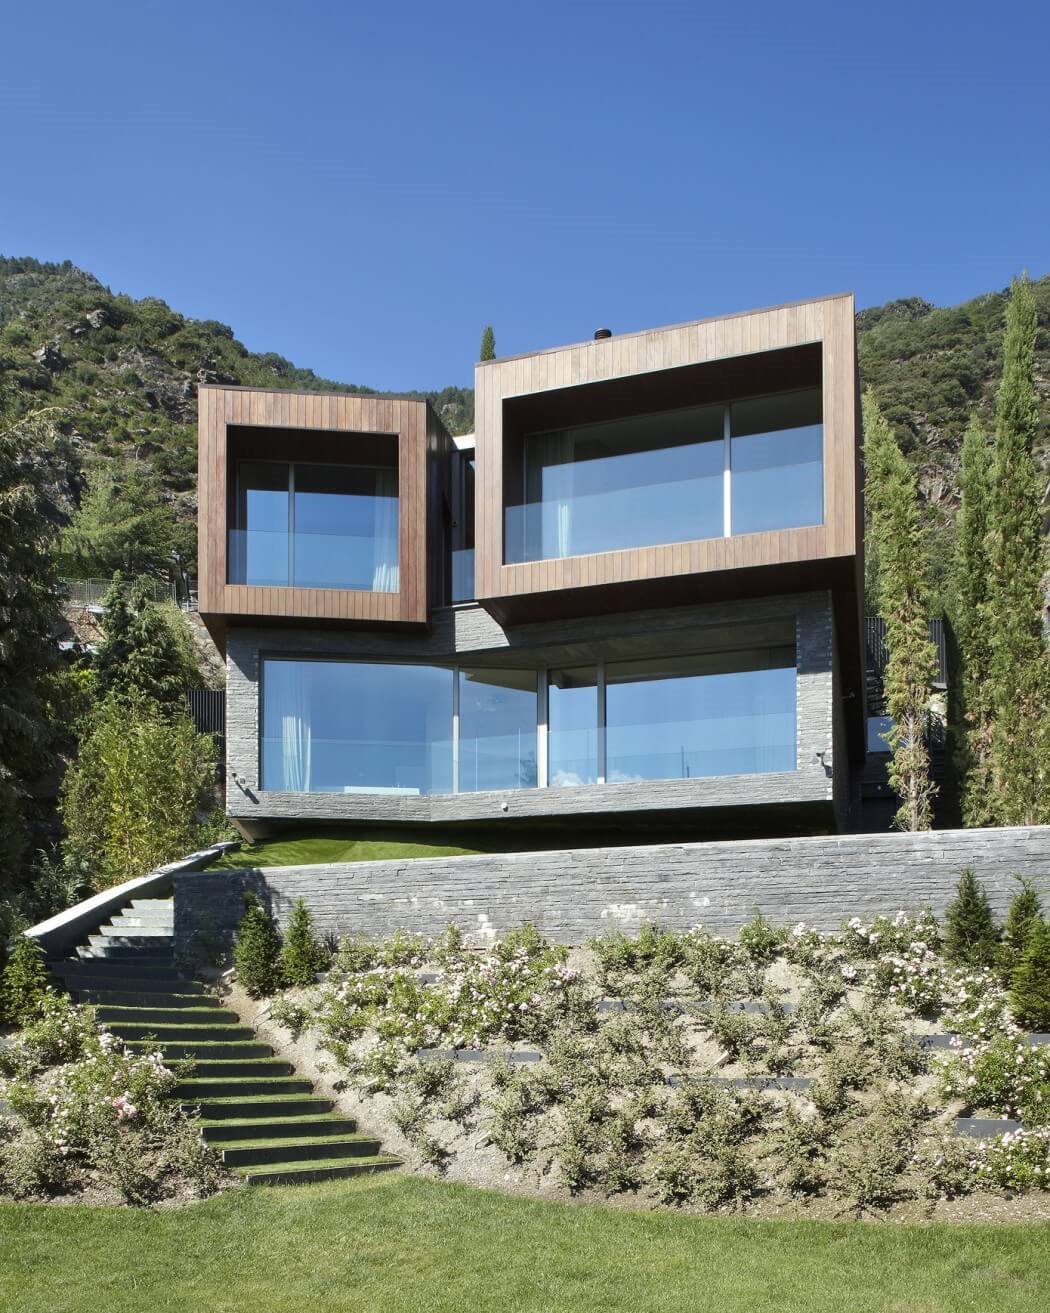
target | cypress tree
[
  {"x": 257, "y": 953},
  {"x": 488, "y": 344},
  {"x": 970, "y": 935},
  {"x": 1026, "y": 912},
  {"x": 146, "y": 647},
  {"x": 1020, "y": 668},
  {"x": 1030, "y": 986},
  {"x": 970, "y": 584},
  {"x": 899, "y": 541},
  {"x": 29, "y": 616},
  {"x": 303, "y": 954}
]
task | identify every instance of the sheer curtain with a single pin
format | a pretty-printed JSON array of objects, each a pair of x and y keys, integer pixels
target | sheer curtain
[
  {"x": 549, "y": 483},
  {"x": 385, "y": 571},
  {"x": 288, "y": 703}
]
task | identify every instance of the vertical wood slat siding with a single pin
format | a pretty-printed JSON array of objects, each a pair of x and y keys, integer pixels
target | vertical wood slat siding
[
  {"x": 219, "y": 408},
  {"x": 829, "y": 321}
]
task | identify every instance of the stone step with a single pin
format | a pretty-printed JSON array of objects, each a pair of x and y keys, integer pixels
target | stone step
[
  {"x": 985, "y": 1128},
  {"x": 239, "y": 1087},
  {"x": 255, "y": 1153},
  {"x": 153, "y": 904},
  {"x": 134, "y": 925},
  {"x": 165, "y": 1016},
  {"x": 105, "y": 974},
  {"x": 112, "y": 998},
  {"x": 208, "y": 1067},
  {"x": 176, "y": 1034},
  {"x": 128, "y": 954},
  {"x": 321, "y": 1170},
  {"x": 202, "y": 1049},
  {"x": 240, "y": 1129},
  {"x": 133, "y": 934},
  {"x": 261, "y": 1106}
]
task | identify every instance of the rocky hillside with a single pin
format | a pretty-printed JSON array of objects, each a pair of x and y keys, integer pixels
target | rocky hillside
[{"x": 124, "y": 374}]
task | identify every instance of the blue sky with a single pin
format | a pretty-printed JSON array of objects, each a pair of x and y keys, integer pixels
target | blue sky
[{"x": 363, "y": 187}]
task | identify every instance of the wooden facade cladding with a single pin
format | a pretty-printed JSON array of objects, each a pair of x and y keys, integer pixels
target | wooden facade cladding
[
  {"x": 223, "y": 411},
  {"x": 820, "y": 332}
]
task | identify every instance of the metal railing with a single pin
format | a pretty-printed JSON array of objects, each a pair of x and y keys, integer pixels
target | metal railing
[{"x": 91, "y": 593}]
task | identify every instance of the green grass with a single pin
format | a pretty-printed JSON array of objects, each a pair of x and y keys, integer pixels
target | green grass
[
  {"x": 308, "y": 850},
  {"x": 404, "y": 1245}
]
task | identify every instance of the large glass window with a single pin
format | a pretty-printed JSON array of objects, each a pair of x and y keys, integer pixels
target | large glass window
[
  {"x": 673, "y": 476},
  {"x": 777, "y": 462},
  {"x": 729, "y": 713},
  {"x": 627, "y": 483},
  {"x": 572, "y": 727},
  {"x": 316, "y": 526},
  {"x": 497, "y": 729},
  {"x": 355, "y": 727}
]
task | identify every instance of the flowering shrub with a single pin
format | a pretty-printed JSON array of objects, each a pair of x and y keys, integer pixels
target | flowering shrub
[
  {"x": 896, "y": 935},
  {"x": 92, "y": 1109},
  {"x": 1005, "y": 1074},
  {"x": 1018, "y": 1160}
]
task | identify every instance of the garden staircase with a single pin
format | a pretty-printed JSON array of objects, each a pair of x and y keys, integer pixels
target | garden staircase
[{"x": 268, "y": 1124}]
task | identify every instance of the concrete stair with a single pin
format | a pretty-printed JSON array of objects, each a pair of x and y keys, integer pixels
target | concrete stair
[{"x": 267, "y": 1123}]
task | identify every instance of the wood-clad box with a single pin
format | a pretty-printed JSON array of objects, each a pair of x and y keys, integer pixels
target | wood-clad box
[
  {"x": 810, "y": 346},
  {"x": 324, "y": 431}
]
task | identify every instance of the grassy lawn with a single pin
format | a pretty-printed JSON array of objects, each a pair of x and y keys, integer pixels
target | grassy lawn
[
  {"x": 401, "y": 1244},
  {"x": 307, "y": 849}
]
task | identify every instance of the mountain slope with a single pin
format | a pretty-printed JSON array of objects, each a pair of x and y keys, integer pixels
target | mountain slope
[{"x": 125, "y": 374}]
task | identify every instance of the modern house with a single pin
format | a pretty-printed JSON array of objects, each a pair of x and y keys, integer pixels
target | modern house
[{"x": 632, "y": 602}]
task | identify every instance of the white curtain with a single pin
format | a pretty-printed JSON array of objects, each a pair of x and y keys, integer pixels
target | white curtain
[
  {"x": 385, "y": 571},
  {"x": 550, "y": 483},
  {"x": 288, "y": 701}
]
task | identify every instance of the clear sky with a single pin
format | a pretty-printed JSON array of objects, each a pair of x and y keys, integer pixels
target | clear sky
[{"x": 362, "y": 187}]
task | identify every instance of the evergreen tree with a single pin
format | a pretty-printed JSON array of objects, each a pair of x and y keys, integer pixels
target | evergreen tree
[
  {"x": 122, "y": 523},
  {"x": 488, "y": 344},
  {"x": 146, "y": 647},
  {"x": 24, "y": 982},
  {"x": 1030, "y": 986},
  {"x": 29, "y": 616},
  {"x": 970, "y": 583},
  {"x": 970, "y": 934},
  {"x": 899, "y": 542},
  {"x": 303, "y": 955},
  {"x": 1020, "y": 665},
  {"x": 257, "y": 952},
  {"x": 1026, "y": 912}
]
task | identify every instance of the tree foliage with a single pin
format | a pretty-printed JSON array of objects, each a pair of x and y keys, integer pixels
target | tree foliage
[
  {"x": 132, "y": 799},
  {"x": 1030, "y": 985},
  {"x": 899, "y": 541},
  {"x": 146, "y": 647},
  {"x": 1020, "y": 663},
  {"x": 970, "y": 934},
  {"x": 488, "y": 344},
  {"x": 123, "y": 523},
  {"x": 1026, "y": 912},
  {"x": 303, "y": 954},
  {"x": 257, "y": 952},
  {"x": 29, "y": 613},
  {"x": 24, "y": 982}
]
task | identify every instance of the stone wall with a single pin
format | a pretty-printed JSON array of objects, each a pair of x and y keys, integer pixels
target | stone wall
[{"x": 573, "y": 894}]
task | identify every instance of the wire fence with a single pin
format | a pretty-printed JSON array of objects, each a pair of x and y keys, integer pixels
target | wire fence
[{"x": 91, "y": 593}]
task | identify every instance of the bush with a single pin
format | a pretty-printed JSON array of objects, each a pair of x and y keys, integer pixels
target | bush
[
  {"x": 24, "y": 983},
  {"x": 303, "y": 955},
  {"x": 1026, "y": 912},
  {"x": 1030, "y": 982},
  {"x": 257, "y": 953},
  {"x": 971, "y": 937}
]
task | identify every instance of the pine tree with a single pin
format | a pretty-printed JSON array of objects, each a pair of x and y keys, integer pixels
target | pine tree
[
  {"x": 899, "y": 541},
  {"x": 1020, "y": 665},
  {"x": 970, "y": 583},
  {"x": 123, "y": 523},
  {"x": 145, "y": 648},
  {"x": 488, "y": 344},
  {"x": 257, "y": 952},
  {"x": 24, "y": 982},
  {"x": 303, "y": 955},
  {"x": 970, "y": 934},
  {"x": 1026, "y": 912},
  {"x": 1030, "y": 985},
  {"x": 29, "y": 616}
]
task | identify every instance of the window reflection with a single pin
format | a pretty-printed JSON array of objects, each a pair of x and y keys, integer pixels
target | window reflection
[
  {"x": 572, "y": 734},
  {"x": 497, "y": 729}
]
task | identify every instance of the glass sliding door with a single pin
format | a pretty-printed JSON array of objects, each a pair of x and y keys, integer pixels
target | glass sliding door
[
  {"x": 777, "y": 461},
  {"x": 497, "y": 729},
  {"x": 260, "y": 548},
  {"x": 356, "y": 727},
  {"x": 572, "y": 727},
  {"x": 726, "y": 713}
]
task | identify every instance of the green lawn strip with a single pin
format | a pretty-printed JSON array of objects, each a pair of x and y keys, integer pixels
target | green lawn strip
[
  {"x": 362, "y": 1163},
  {"x": 309, "y": 850},
  {"x": 293, "y": 1143},
  {"x": 404, "y": 1245}
]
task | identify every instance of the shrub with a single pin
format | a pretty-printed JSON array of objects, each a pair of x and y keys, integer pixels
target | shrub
[
  {"x": 1030, "y": 981},
  {"x": 303, "y": 955},
  {"x": 971, "y": 937},
  {"x": 24, "y": 983},
  {"x": 1006, "y": 1075},
  {"x": 257, "y": 953},
  {"x": 59, "y": 1033},
  {"x": 1026, "y": 911},
  {"x": 761, "y": 940}
]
